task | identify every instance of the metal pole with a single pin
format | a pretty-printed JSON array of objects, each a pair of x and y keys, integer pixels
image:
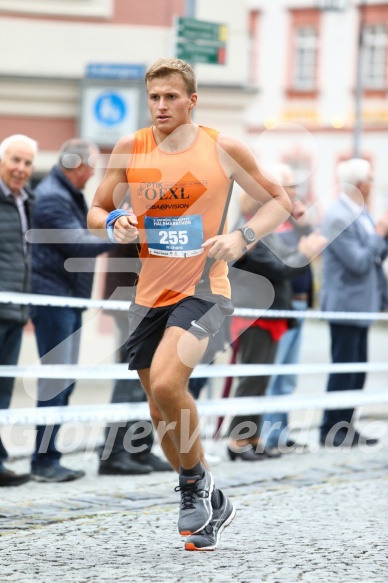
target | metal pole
[
  {"x": 190, "y": 8},
  {"x": 190, "y": 12},
  {"x": 359, "y": 87}
]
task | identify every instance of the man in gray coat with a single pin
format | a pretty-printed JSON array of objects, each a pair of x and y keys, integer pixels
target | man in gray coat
[
  {"x": 353, "y": 281},
  {"x": 17, "y": 153}
]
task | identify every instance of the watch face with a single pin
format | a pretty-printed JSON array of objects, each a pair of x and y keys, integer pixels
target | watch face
[{"x": 249, "y": 235}]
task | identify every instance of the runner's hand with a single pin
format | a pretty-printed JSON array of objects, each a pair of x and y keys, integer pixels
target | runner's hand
[
  {"x": 125, "y": 229},
  {"x": 226, "y": 247}
]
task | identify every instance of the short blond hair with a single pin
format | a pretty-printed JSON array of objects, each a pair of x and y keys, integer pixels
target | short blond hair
[{"x": 165, "y": 67}]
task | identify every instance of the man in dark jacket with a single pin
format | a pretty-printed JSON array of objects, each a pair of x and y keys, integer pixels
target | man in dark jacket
[
  {"x": 261, "y": 279},
  {"x": 61, "y": 208},
  {"x": 17, "y": 153}
]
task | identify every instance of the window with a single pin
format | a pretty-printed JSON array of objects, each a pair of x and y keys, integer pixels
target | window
[
  {"x": 305, "y": 58},
  {"x": 374, "y": 23},
  {"x": 303, "y": 53},
  {"x": 375, "y": 56},
  {"x": 338, "y": 5}
]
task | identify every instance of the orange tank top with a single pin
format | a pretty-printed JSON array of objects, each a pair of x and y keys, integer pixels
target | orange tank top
[{"x": 179, "y": 200}]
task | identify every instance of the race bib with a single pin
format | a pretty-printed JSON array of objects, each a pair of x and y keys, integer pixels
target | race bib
[{"x": 174, "y": 236}]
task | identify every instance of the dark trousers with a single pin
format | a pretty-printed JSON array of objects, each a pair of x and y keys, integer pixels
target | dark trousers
[
  {"x": 120, "y": 437},
  {"x": 255, "y": 346},
  {"x": 348, "y": 344},
  {"x": 10, "y": 342},
  {"x": 58, "y": 332}
]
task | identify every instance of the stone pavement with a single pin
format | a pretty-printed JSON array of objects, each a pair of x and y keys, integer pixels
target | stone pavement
[{"x": 312, "y": 517}]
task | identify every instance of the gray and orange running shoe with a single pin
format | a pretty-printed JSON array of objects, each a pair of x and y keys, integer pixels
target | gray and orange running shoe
[
  {"x": 208, "y": 538},
  {"x": 196, "y": 508}
]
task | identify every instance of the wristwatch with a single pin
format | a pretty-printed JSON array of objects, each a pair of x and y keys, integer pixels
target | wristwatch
[{"x": 248, "y": 234}]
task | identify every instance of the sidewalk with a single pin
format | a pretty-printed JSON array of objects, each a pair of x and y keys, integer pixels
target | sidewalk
[{"x": 312, "y": 517}]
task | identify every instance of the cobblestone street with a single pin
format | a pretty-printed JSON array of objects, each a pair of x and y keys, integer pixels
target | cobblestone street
[{"x": 311, "y": 517}]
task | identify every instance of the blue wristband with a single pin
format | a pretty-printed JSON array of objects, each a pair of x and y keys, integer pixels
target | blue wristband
[{"x": 110, "y": 222}]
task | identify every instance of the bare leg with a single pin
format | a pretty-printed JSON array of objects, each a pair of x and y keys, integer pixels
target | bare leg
[
  {"x": 166, "y": 386},
  {"x": 166, "y": 442}
]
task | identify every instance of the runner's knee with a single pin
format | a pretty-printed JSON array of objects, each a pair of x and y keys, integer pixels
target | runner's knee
[{"x": 162, "y": 391}]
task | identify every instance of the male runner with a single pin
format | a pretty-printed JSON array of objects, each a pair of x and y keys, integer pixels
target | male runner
[{"x": 180, "y": 177}]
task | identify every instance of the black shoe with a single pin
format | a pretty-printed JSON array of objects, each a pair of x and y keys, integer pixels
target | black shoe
[
  {"x": 251, "y": 455},
  {"x": 8, "y": 478},
  {"x": 55, "y": 473},
  {"x": 347, "y": 438},
  {"x": 150, "y": 459},
  {"x": 122, "y": 465},
  {"x": 292, "y": 444}
]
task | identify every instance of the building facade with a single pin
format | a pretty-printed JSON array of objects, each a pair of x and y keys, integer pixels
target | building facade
[
  {"x": 56, "y": 53},
  {"x": 288, "y": 86},
  {"x": 317, "y": 81}
]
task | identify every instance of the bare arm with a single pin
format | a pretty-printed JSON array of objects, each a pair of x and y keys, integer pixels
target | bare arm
[
  {"x": 248, "y": 205},
  {"x": 273, "y": 204},
  {"x": 110, "y": 194}
]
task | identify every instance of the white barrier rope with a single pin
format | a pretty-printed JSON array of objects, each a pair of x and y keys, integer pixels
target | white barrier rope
[
  {"x": 120, "y": 371},
  {"x": 121, "y": 412},
  {"x": 113, "y": 305},
  {"x": 60, "y": 301},
  {"x": 216, "y": 407}
]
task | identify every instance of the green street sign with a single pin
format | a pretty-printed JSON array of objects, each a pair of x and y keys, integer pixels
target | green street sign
[
  {"x": 195, "y": 30},
  {"x": 196, "y": 53},
  {"x": 198, "y": 41}
]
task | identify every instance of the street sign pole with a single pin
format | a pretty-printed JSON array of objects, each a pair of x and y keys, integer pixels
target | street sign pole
[{"x": 190, "y": 8}]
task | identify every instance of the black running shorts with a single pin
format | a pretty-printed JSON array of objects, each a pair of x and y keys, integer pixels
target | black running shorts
[{"x": 200, "y": 317}]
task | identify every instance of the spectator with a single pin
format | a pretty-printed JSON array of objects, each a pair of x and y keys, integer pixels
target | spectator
[
  {"x": 257, "y": 339},
  {"x": 17, "y": 153},
  {"x": 121, "y": 454},
  {"x": 353, "y": 281},
  {"x": 275, "y": 430},
  {"x": 61, "y": 206}
]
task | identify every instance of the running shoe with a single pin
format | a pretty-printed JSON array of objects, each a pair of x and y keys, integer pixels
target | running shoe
[
  {"x": 196, "y": 507},
  {"x": 208, "y": 538}
]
